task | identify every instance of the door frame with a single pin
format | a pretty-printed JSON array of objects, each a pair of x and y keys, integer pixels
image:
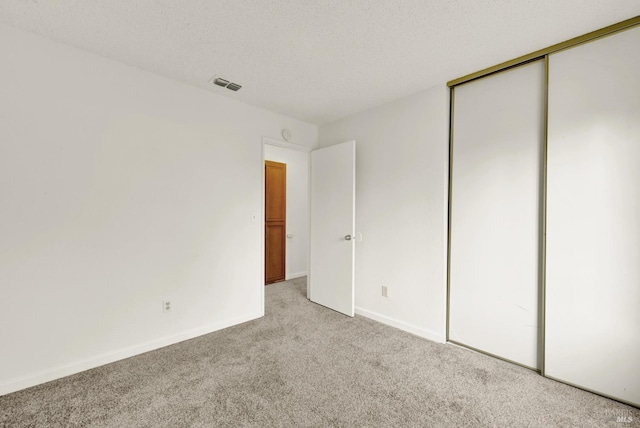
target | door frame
[{"x": 290, "y": 146}]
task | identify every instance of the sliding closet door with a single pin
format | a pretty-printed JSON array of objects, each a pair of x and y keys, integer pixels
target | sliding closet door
[
  {"x": 498, "y": 135},
  {"x": 593, "y": 217}
]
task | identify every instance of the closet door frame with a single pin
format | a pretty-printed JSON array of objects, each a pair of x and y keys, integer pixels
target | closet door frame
[
  {"x": 539, "y": 54},
  {"x": 533, "y": 56}
]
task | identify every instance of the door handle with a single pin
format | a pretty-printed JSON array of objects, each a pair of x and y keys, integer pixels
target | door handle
[{"x": 355, "y": 238}]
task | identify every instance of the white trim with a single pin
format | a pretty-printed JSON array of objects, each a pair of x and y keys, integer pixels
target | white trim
[
  {"x": 410, "y": 328},
  {"x": 22, "y": 382},
  {"x": 295, "y": 275},
  {"x": 261, "y": 280},
  {"x": 445, "y": 219},
  {"x": 309, "y": 225},
  {"x": 286, "y": 145}
]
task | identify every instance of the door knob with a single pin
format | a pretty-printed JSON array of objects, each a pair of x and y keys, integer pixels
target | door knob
[{"x": 348, "y": 237}]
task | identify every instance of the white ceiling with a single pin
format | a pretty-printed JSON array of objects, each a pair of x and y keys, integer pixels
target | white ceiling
[{"x": 315, "y": 60}]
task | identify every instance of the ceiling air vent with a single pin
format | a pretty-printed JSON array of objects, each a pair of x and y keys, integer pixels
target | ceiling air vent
[
  {"x": 226, "y": 84},
  {"x": 221, "y": 82}
]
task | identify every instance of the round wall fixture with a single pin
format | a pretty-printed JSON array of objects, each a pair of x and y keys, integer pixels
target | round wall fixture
[{"x": 286, "y": 134}]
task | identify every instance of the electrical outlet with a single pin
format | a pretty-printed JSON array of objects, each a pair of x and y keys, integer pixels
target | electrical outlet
[
  {"x": 385, "y": 291},
  {"x": 166, "y": 306}
]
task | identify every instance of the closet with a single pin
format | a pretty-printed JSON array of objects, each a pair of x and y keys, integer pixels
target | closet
[{"x": 544, "y": 226}]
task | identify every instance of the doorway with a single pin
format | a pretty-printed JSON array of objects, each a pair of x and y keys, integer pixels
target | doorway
[
  {"x": 296, "y": 237},
  {"x": 339, "y": 158}
]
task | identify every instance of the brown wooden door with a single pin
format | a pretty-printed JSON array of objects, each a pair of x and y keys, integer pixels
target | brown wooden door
[{"x": 275, "y": 221}]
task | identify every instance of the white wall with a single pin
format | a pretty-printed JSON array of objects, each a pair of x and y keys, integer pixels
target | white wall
[
  {"x": 401, "y": 209},
  {"x": 119, "y": 189},
  {"x": 297, "y": 207}
]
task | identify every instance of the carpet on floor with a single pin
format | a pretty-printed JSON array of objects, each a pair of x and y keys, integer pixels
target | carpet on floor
[{"x": 303, "y": 365}]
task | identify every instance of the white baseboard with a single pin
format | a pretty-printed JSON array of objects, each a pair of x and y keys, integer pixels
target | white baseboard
[
  {"x": 22, "y": 382},
  {"x": 295, "y": 275},
  {"x": 410, "y": 328}
]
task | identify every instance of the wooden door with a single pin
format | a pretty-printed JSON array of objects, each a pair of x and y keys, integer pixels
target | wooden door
[{"x": 275, "y": 178}]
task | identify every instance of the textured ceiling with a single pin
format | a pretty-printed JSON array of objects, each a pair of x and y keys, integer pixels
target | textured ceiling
[{"x": 315, "y": 60}]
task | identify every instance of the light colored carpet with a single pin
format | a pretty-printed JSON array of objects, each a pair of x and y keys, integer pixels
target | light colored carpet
[{"x": 303, "y": 365}]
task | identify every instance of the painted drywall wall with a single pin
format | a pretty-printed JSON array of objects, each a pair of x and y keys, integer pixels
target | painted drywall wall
[
  {"x": 297, "y": 246},
  {"x": 401, "y": 209},
  {"x": 120, "y": 189}
]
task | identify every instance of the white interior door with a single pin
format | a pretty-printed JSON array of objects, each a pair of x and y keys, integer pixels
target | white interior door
[{"x": 332, "y": 243}]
